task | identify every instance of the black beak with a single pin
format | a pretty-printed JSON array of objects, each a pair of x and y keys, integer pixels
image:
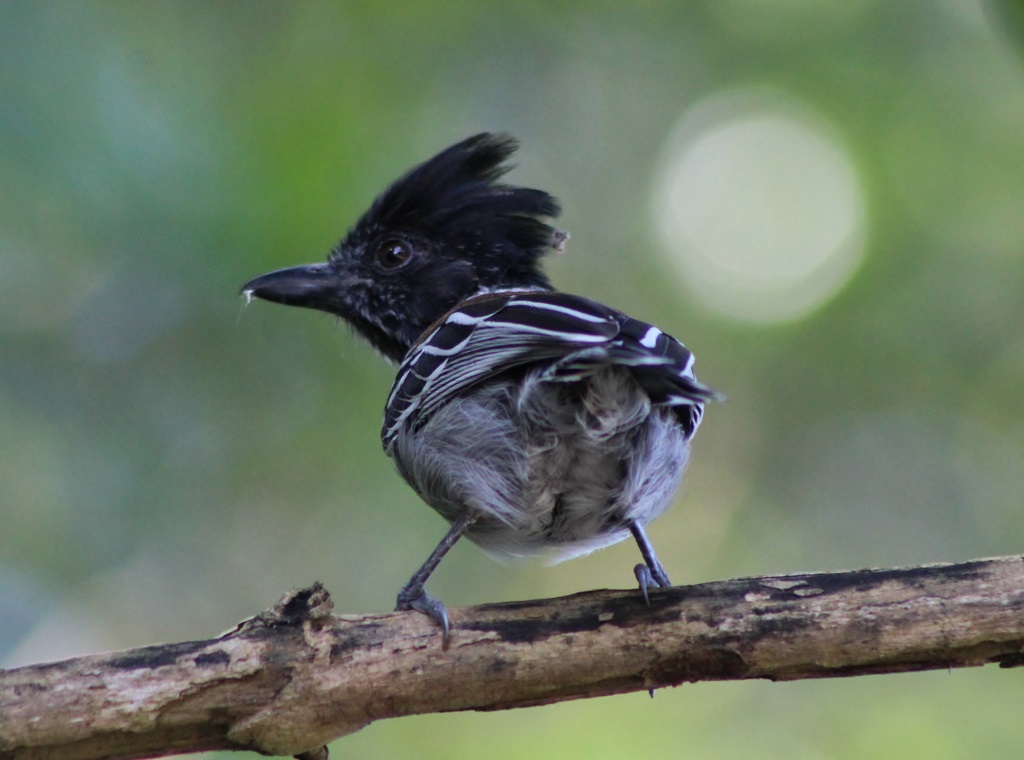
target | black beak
[{"x": 314, "y": 286}]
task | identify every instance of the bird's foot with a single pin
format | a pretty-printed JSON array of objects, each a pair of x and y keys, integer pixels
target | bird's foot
[
  {"x": 416, "y": 598},
  {"x": 650, "y": 577}
]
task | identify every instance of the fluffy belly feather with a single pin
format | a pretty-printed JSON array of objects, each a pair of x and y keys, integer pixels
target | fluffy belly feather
[{"x": 557, "y": 467}]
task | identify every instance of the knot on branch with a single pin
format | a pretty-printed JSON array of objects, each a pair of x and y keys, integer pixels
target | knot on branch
[{"x": 312, "y": 605}]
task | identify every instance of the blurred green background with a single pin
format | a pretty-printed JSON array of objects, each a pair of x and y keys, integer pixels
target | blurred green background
[{"x": 825, "y": 201}]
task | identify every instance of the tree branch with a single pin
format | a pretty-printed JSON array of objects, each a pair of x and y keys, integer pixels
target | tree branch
[{"x": 295, "y": 677}]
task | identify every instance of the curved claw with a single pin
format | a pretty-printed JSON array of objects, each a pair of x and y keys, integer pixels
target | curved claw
[
  {"x": 419, "y": 600},
  {"x": 646, "y": 581}
]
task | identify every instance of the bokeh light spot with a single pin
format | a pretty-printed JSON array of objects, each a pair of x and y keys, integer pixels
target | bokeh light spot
[{"x": 759, "y": 206}]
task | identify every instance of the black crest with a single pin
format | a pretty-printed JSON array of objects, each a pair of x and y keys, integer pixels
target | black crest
[{"x": 456, "y": 197}]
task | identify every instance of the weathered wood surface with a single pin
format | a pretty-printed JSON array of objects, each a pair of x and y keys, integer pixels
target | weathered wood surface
[{"x": 291, "y": 679}]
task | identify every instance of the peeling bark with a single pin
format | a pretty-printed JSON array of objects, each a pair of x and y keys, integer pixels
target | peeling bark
[{"x": 291, "y": 679}]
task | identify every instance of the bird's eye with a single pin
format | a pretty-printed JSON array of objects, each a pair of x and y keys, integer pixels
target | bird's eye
[{"x": 393, "y": 254}]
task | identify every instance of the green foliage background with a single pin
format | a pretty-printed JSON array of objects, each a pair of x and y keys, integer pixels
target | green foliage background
[{"x": 170, "y": 462}]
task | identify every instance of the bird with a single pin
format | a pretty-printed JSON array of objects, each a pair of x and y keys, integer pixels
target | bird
[{"x": 534, "y": 421}]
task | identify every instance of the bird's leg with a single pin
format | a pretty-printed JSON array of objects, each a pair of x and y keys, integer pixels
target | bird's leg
[
  {"x": 650, "y": 574},
  {"x": 414, "y": 596}
]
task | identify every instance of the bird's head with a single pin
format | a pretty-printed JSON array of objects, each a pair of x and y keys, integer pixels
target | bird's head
[{"x": 442, "y": 233}]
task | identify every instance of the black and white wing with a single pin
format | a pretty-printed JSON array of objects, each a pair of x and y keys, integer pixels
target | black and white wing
[{"x": 571, "y": 336}]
